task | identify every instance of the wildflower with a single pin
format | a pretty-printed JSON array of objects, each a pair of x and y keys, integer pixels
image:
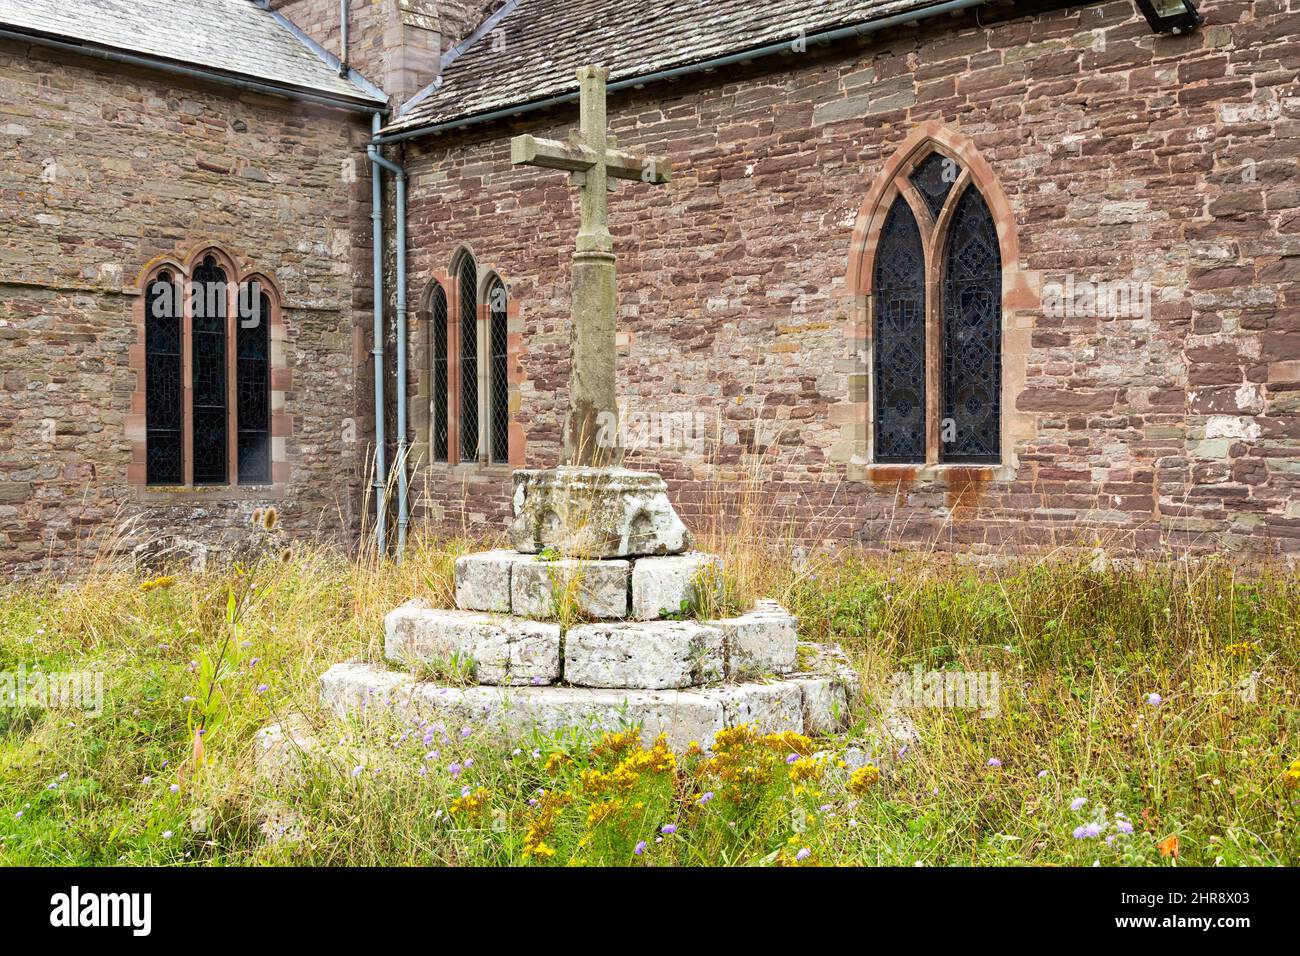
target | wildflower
[
  {"x": 705, "y": 797},
  {"x": 167, "y": 834},
  {"x": 1042, "y": 774},
  {"x": 187, "y": 699},
  {"x": 1123, "y": 826},
  {"x": 640, "y": 848},
  {"x": 803, "y": 854},
  {"x": 147, "y": 780},
  {"x": 1087, "y": 831},
  {"x": 466, "y": 731},
  {"x": 262, "y": 688},
  {"x": 454, "y": 769},
  {"x": 471, "y": 802},
  {"x": 1077, "y": 803},
  {"x": 995, "y": 762},
  {"x": 1240, "y": 649},
  {"x": 1154, "y": 699},
  {"x": 175, "y": 788},
  {"x": 863, "y": 779},
  {"x": 1291, "y": 776},
  {"x": 804, "y": 769},
  {"x": 356, "y": 771},
  {"x": 270, "y": 517},
  {"x": 668, "y": 829}
]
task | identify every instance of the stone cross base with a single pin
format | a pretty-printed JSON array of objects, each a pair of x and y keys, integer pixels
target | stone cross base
[
  {"x": 595, "y": 513},
  {"x": 634, "y": 648}
]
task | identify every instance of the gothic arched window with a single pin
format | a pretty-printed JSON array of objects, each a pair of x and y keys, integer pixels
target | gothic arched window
[
  {"x": 438, "y": 361},
  {"x": 467, "y": 290},
  {"x": 207, "y": 376},
  {"x": 498, "y": 384},
  {"x": 937, "y": 321}
]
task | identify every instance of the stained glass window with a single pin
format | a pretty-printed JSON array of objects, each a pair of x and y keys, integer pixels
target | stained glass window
[
  {"x": 208, "y": 373},
  {"x": 438, "y": 316},
  {"x": 163, "y": 412},
  {"x": 467, "y": 283},
  {"x": 253, "y": 385},
  {"x": 899, "y": 339},
  {"x": 972, "y": 334},
  {"x": 498, "y": 386},
  {"x": 934, "y": 180}
]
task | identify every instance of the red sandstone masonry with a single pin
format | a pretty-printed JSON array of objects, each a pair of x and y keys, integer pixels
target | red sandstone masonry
[
  {"x": 1122, "y": 155},
  {"x": 103, "y": 172}
]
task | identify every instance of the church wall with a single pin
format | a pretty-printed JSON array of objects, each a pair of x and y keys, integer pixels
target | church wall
[
  {"x": 102, "y": 173},
  {"x": 1166, "y": 163}
]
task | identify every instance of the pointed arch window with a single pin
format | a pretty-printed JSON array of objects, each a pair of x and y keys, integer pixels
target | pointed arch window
[
  {"x": 936, "y": 320},
  {"x": 206, "y": 378},
  {"x": 467, "y": 289},
  {"x": 498, "y": 384},
  {"x": 439, "y": 370}
]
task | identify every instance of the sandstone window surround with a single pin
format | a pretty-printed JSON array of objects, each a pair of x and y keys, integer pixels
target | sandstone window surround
[
  {"x": 466, "y": 362},
  {"x": 935, "y": 187},
  {"x": 208, "y": 408}
]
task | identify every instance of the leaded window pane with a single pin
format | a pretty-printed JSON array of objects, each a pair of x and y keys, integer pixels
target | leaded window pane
[
  {"x": 972, "y": 335},
  {"x": 499, "y": 388},
  {"x": 162, "y": 378},
  {"x": 438, "y": 309},
  {"x": 253, "y": 386},
  {"x": 467, "y": 281},
  {"x": 934, "y": 180},
  {"x": 899, "y": 339},
  {"x": 208, "y": 374}
]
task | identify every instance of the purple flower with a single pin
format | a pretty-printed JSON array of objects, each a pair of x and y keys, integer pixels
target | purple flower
[
  {"x": 175, "y": 788},
  {"x": 262, "y": 688},
  {"x": 706, "y": 797},
  {"x": 356, "y": 771},
  {"x": 469, "y": 762},
  {"x": 995, "y": 762},
  {"x": 803, "y": 855},
  {"x": 1042, "y": 774},
  {"x": 668, "y": 829},
  {"x": 147, "y": 780},
  {"x": 455, "y": 770},
  {"x": 1123, "y": 826},
  {"x": 792, "y": 758},
  {"x": 1077, "y": 803},
  {"x": 1087, "y": 831},
  {"x": 1154, "y": 699},
  {"x": 465, "y": 731},
  {"x": 640, "y": 848}
]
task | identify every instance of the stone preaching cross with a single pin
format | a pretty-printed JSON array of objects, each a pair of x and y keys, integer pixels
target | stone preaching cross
[{"x": 591, "y": 428}]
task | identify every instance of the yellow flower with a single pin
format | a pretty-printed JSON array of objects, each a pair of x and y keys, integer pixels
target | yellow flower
[
  {"x": 164, "y": 582},
  {"x": 805, "y": 768},
  {"x": 471, "y": 803},
  {"x": 1240, "y": 649},
  {"x": 555, "y": 761},
  {"x": 1291, "y": 776},
  {"x": 863, "y": 779},
  {"x": 539, "y": 849}
]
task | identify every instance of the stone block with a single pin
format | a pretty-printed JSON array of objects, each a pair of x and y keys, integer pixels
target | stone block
[
  {"x": 504, "y": 650},
  {"x": 825, "y": 704},
  {"x": 280, "y": 749},
  {"x": 650, "y": 654},
  {"x": 661, "y": 585},
  {"x": 759, "y": 643},
  {"x": 597, "y": 588},
  {"x": 595, "y": 513},
  {"x": 769, "y": 708},
  {"x": 483, "y": 580},
  {"x": 684, "y": 716}
]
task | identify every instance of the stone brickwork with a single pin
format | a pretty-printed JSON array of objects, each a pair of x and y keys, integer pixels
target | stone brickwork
[
  {"x": 104, "y": 172},
  {"x": 1165, "y": 161}
]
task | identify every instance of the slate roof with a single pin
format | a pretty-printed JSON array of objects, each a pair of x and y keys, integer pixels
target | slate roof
[
  {"x": 236, "y": 37},
  {"x": 547, "y": 40}
]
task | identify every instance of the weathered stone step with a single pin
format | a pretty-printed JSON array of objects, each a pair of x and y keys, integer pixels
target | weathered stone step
[
  {"x": 804, "y": 703},
  {"x": 651, "y": 655},
  {"x": 501, "y": 650},
  {"x": 507, "y": 582}
]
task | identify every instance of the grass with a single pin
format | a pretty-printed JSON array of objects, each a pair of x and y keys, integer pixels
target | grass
[{"x": 193, "y": 666}]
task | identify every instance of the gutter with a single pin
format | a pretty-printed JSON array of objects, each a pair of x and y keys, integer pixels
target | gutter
[
  {"x": 343, "y": 38},
  {"x": 379, "y": 163},
  {"x": 644, "y": 79},
  {"x": 212, "y": 76}
]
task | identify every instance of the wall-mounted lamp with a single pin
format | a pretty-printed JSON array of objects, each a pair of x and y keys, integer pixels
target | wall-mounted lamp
[{"x": 1171, "y": 16}]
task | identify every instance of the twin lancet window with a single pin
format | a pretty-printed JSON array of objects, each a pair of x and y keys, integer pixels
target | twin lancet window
[
  {"x": 937, "y": 323},
  {"x": 207, "y": 378},
  {"x": 469, "y": 366}
]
